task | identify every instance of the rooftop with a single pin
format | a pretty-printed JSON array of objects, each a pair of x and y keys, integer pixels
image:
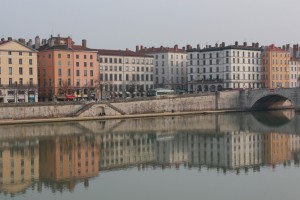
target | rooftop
[
  {"x": 108, "y": 52},
  {"x": 160, "y": 49}
]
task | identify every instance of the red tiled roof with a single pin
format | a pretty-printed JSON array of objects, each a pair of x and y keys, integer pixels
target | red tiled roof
[
  {"x": 272, "y": 47},
  {"x": 161, "y": 50},
  {"x": 108, "y": 52}
]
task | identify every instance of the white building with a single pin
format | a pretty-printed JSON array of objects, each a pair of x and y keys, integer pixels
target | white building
[
  {"x": 294, "y": 72},
  {"x": 125, "y": 72},
  {"x": 224, "y": 67},
  {"x": 170, "y": 66}
]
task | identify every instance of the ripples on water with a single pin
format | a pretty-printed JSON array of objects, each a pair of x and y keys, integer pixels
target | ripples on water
[{"x": 104, "y": 158}]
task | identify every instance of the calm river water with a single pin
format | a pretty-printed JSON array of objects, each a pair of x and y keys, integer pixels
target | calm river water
[{"x": 223, "y": 156}]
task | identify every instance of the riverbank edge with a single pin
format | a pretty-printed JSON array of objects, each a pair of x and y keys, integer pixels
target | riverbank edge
[{"x": 148, "y": 115}]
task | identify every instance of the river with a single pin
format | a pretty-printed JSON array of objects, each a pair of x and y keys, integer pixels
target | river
[{"x": 214, "y": 156}]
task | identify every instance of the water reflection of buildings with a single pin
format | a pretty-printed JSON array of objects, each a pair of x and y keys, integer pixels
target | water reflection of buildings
[
  {"x": 19, "y": 165},
  {"x": 65, "y": 161},
  {"x": 229, "y": 151}
]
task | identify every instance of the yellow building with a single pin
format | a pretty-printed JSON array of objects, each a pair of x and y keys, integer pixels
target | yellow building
[
  {"x": 19, "y": 165},
  {"x": 275, "y": 68},
  {"x": 18, "y": 72}
]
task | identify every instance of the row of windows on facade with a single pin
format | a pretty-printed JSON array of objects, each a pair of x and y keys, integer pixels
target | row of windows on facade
[
  {"x": 21, "y": 81},
  {"x": 20, "y": 53},
  {"x": 266, "y": 62},
  {"x": 10, "y": 61},
  {"x": 133, "y": 60},
  {"x": 165, "y": 81},
  {"x": 172, "y": 71},
  {"x": 127, "y": 87},
  {"x": 227, "y": 77},
  {"x": 134, "y": 77},
  {"x": 60, "y": 72},
  {"x": 217, "y": 55},
  {"x": 133, "y": 68},
  {"x": 219, "y": 69},
  {"x": 218, "y": 61},
  {"x": 171, "y": 63},
  {"x": 69, "y": 56},
  {"x": 172, "y": 56},
  {"x": 10, "y": 71},
  {"x": 68, "y": 82},
  {"x": 275, "y": 54}
]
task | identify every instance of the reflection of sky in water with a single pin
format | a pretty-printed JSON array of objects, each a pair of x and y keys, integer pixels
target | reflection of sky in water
[{"x": 259, "y": 153}]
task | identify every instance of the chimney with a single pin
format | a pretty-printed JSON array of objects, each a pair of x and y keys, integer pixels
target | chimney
[
  {"x": 245, "y": 44},
  {"x": 223, "y": 44},
  {"x": 183, "y": 48},
  {"x": 2, "y": 39},
  {"x": 142, "y": 47},
  {"x": 198, "y": 47},
  {"x": 209, "y": 46},
  {"x": 137, "y": 48},
  {"x": 288, "y": 47},
  {"x": 188, "y": 47},
  {"x": 236, "y": 43},
  {"x": 83, "y": 43},
  {"x": 176, "y": 47},
  {"x": 37, "y": 42},
  {"x": 216, "y": 45},
  {"x": 161, "y": 47},
  {"x": 253, "y": 45},
  {"x": 21, "y": 40},
  {"x": 9, "y": 38},
  {"x": 69, "y": 42},
  {"x": 29, "y": 43},
  {"x": 257, "y": 45}
]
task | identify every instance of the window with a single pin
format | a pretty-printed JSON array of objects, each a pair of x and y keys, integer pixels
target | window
[
  {"x": 77, "y": 73},
  {"x": 91, "y": 73},
  {"x": 9, "y": 61},
  {"x": 20, "y": 81},
  {"x": 10, "y": 70},
  {"x": 30, "y": 61},
  {"x": 85, "y": 72},
  {"x": 69, "y": 72},
  {"x": 59, "y": 63},
  {"x": 20, "y": 70},
  {"x": 59, "y": 72},
  {"x": 84, "y": 56},
  {"x": 10, "y": 81},
  {"x": 91, "y": 56},
  {"x": 77, "y": 56},
  {"x": 91, "y": 64},
  {"x": 59, "y": 55},
  {"x": 77, "y": 64}
]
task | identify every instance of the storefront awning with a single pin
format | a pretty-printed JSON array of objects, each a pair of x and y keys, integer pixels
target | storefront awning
[{"x": 70, "y": 96}]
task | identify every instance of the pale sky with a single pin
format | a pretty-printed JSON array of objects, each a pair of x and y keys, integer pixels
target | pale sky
[{"x": 120, "y": 24}]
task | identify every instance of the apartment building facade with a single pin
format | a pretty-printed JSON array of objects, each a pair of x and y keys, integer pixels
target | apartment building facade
[
  {"x": 170, "y": 66},
  {"x": 66, "y": 71},
  {"x": 124, "y": 73},
  {"x": 224, "y": 67},
  {"x": 275, "y": 67},
  {"x": 18, "y": 72}
]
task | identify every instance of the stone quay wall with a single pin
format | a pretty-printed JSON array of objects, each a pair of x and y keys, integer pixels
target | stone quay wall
[{"x": 227, "y": 100}]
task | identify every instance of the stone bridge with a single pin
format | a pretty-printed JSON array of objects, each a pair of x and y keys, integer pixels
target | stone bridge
[{"x": 270, "y": 98}]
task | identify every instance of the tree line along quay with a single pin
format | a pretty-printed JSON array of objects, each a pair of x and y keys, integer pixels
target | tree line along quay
[{"x": 57, "y": 69}]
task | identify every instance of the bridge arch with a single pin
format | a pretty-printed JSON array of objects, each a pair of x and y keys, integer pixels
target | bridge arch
[
  {"x": 99, "y": 110},
  {"x": 271, "y": 101}
]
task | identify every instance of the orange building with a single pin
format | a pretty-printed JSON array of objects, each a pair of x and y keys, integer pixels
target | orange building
[
  {"x": 275, "y": 68},
  {"x": 69, "y": 158},
  {"x": 275, "y": 148},
  {"x": 66, "y": 71}
]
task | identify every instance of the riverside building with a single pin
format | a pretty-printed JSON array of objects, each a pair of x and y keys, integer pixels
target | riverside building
[
  {"x": 66, "y": 71},
  {"x": 124, "y": 73},
  {"x": 18, "y": 72},
  {"x": 170, "y": 66},
  {"x": 219, "y": 67},
  {"x": 275, "y": 67}
]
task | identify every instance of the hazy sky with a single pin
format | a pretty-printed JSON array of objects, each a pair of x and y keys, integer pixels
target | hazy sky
[{"x": 120, "y": 24}]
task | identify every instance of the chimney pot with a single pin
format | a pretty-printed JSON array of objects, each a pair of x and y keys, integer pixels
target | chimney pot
[
  {"x": 84, "y": 42},
  {"x": 137, "y": 48},
  {"x": 9, "y": 38}
]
